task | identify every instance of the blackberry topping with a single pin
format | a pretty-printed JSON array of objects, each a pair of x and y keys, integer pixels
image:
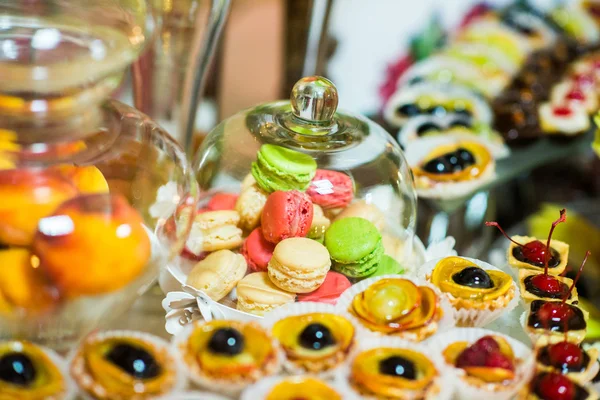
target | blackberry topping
[
  {"x": 473, "y": 277},
  {"x": 134, "y": 360},
  {"x": 17, "y": 369},
  {"x": 398, "y": 366},
  {"x": 226, "y": 341},
  {"x": 316, "y": 337}
]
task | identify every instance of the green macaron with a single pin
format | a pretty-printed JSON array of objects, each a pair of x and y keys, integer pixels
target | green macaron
[
  {"x": 388, "y": 266},
  {"x": 355, "y": 246},
  {"x": 280, "y": 168}
]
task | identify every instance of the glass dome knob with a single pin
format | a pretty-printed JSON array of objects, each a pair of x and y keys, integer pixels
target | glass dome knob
[{"x": 314, "y": 99}]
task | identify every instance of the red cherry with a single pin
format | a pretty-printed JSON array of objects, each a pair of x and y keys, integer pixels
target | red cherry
[
  {"x": 535, "y": 251},
  {"x": 499, "y": 360},
  {"x": 471, "y": 357},
  {"x": 555, "y": 311},
  {"x": 593, "y": 9},
  {"x": 486, "y": 344},
  {"x": 576, "y": 95},
  {"x": 562, "y": 111},
  {"x": 553, "y": 386},
  {"x": 565, "y": 353},
  {"x": 547, "y": 283}
]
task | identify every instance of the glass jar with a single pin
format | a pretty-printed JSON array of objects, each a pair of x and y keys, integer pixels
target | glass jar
[
  {"x": 86, "y": 183},
  {"x": 344, "y": 164}
]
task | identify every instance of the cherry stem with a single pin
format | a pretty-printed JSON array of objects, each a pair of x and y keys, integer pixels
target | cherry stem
[
  {"x": 562, "y": 218},
  {"x": 493, "y": 223},
  {"x": 587, "y": 254}
]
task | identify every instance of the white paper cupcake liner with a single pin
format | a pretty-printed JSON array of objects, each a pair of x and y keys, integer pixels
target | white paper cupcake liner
[
  {"x": 443, "y": 387},
  {"x": 261, "y": 389},
  {"x": 445, "y": 323},
  {"x": 308, "y": 308},
  {"x": 193, "y": 396},
  {"x": 179, "y": 383},
  {"x": 524, "y": 370},
  {"x": 473, "y": 317},
  {"x": 220, "y": 386}
]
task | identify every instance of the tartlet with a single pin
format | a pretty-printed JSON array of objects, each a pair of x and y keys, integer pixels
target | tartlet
[
  {"x": 304, "y": 387},
  {"x": 569, "y": 359},
  {"x": 536, "y": 285},
  {"x": 315, "y": 342},
  {"x": 476, "y": 290},
  {"x": 226, "y": 356},
  {"x": 116, "y": 365},
  {"x": 28, "y": 371},
  {"x": 529, "y": 255},
  {"x": 553, "y": 321},
  {"x": 550, "y": 385},
  {"x": 400, "y": 307}
]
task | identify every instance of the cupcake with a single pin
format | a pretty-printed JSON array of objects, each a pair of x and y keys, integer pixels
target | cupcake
[
  {"x": 486, "y": 364},
  {"x": 297, "y": 387},
  {"x": 479, "y": 292},
  {"x": 390, "y": 368},
  {"x": 125, "y": 364},
  {"x": 402, "y": 307},
  {"x": 314, "y": 338},
  {"x": 226, "y": 356},
  {"x": 28, "y": 371}
]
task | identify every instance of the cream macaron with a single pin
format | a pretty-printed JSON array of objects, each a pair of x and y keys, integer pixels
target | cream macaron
[
  {"x": 218, "y": 273},
  {"x": 299, "y": 265},
  {"x": 362, "y": 209},
  {"x": 257, "y": 295},
  {"x": 215, "y": 230},
  {"x": 250, "y": 205}
]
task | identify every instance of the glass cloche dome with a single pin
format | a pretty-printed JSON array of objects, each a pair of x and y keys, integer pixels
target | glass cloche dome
[
  {"x": 87, "y": 184},
  {"x": 294, "y": 169}
]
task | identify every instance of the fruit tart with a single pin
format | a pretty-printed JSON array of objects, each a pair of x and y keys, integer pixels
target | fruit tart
[
  {"x": 536, "y": 285},
  {"x": 486, "y": 364},
  {"x": 479, "y": 292},
  {"x": 30, "y": 372},
  {"x": 390, "y": 372},
  {"x": 225, "y": 356},
  {"x": 530, "y": 253},
  {"x": 296, "y": 387},
  {"x": 117, "y": 365},
  {"x": 554, "y": 386},
  {"x": 399, "y": 307},
  {"x": 313, "y": 336},
  {"x": 552, "y": 319},
  {"x": 569, "y": 359},
  {"x": 448, "y": 167}
]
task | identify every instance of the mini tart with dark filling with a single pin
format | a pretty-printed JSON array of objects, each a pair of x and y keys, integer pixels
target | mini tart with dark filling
[
  {"x": 547, "y": 321},
  {"x": 531, "y": 291},
  {"x": 302, "y": 387},
  {"x": 315, "y": 342},
  {"x": 569, "y": 359},
  {"x": 226, "y": 356},
  {"x": 517, "y": 257},
  {"x": 550, "y": 386},
  {"x": 396, "y": 306},
  {"x": 28, "y": 373},
  {"x": 454, "y": 162},
  {"x": 123, "y": 365},
  {"x": 489, "y": 363},
  {"x": 469, "y": 286},
  {"x": 394, "y": 373}
]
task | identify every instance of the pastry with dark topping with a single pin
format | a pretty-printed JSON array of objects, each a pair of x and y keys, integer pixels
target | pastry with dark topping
[
  {"x": 394, "y": 373},
  {"x": 471, "y": 288},
  {"x": 569, "y": 359},
  {"x": 31, "y": 372},
  {"x": 540, "y": 286},
  {"x": 314, "y": 342},
  {"x": 531, "y": 253},
  {"x": 555, "y": 386},
  {"x": 120, "y": 365},
  {"x": 226, "y": 356}
]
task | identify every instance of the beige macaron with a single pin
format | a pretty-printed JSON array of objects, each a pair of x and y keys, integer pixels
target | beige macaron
[
  {"x": 361, "y": 209},
  {"x": 319, "y": 224},
  {"x": 215, "y": 230},
  {"x": 257, "y": 295},
  {"x": 218, "y": 273},
  {"x": 250, "y": 205},
  {"x": 299, "y": 265}
]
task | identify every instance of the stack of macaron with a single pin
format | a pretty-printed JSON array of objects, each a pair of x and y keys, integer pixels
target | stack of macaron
[{"x": 293, "y": 233}]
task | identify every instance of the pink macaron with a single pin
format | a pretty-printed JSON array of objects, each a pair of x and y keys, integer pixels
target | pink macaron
[
  {"x": 286, "y": 215},
  {"x": 222, "y": 201},
  {"x": 257, "y": 251},
  {"x": 329, "y": 292},
  {"x": 331, "y": 189}
]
